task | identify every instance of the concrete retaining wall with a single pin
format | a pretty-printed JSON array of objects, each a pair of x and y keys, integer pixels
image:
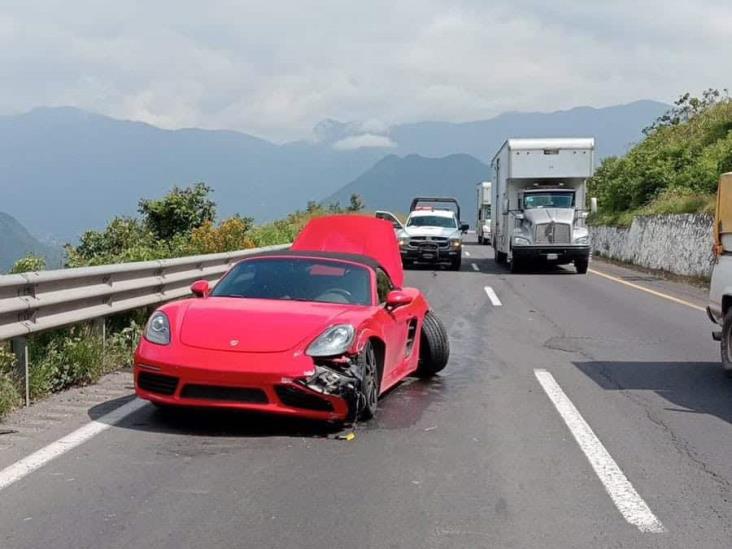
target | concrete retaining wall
[{"x": 678, "y": 244}]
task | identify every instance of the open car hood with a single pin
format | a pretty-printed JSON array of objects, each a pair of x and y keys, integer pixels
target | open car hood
[{"x": 255, "y": 325}]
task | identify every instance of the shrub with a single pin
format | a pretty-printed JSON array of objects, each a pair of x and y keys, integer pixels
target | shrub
[{"x": 9, "y": 394}]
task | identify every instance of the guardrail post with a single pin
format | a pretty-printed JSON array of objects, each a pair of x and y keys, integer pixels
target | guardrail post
[
  {"x": 20, "y": 349},
  {"x": 99, "y": 325}
]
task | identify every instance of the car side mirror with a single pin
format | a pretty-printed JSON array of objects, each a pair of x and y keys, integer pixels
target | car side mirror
[
  {"x": 464, "y": 227},
  {"x": 200, "y": 288},
  {"x": 397, "y": 298}
]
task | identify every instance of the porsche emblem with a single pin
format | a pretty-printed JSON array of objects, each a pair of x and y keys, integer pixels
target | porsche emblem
[{"x": 233, "y": 343}]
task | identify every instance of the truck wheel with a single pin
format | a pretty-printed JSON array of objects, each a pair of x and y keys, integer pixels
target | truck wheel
[
  {"x": 727, "y": 343},
  {"x": 481, "y": 240},
  {"x": 501, "y": 257},
  {"x": 581, "y": 265},
  {"x": 516, "y": 265},
  {"x": 455, "y": 265},
  {"x": 434, "y": 346}
]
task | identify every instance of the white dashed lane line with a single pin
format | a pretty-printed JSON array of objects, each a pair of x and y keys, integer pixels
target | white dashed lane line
[
  {"x": 617, "y": 485},
  {"x": 475, "y": 267},
  {"x": 27, "y": 465},
  {"x": 467, "y": 253},
  {"x": 492, "y": 296}
]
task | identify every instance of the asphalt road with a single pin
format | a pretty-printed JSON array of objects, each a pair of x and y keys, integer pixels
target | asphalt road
[{"x": 478, "y": 457}]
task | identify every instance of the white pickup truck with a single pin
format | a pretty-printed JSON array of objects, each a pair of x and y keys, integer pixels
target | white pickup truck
[{"x": 720, "y": 289}]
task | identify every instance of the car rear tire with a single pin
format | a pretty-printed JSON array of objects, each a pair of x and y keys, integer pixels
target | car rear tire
[
  {"x": 434, "y": 346},
  {"x": 726, "y": 343},
  {"x": 581, "y": 265},
  {"x": 501, "y": 257},
  {"x": 370, "y": 382}
]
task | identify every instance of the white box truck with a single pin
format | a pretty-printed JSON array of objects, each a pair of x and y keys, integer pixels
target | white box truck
[
  {"x": 483, "y": 224},
  {"x": 539, "y": 201}
]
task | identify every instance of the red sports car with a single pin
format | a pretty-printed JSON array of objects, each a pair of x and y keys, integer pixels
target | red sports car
[{"x": 317, "y": 331}]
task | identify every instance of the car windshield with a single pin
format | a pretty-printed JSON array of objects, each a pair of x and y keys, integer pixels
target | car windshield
[
  {"x": 549, "y": 200},
  {"x": 297, "y": 279},
  {"x": 432, "y": 221}
]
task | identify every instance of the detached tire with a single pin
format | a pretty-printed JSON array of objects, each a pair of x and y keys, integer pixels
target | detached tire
[
  {"x": 434, "y": 346},
  {"x": 581, "y": 265},
  {"x": 726, "y": 343}
]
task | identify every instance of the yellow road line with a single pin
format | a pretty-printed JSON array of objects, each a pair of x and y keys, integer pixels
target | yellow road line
[{"x": 648, "y": 290}]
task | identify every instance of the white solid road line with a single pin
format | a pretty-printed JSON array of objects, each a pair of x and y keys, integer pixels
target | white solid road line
[
  {"x": 492, "y": 296},
  {"x": 475, "y": 267},
  {"x": 28, "y": 464},
  {"x": 621, "y": 491}
]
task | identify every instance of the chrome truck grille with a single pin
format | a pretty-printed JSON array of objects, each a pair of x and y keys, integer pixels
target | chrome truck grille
[{"x": 553, "y": 233}]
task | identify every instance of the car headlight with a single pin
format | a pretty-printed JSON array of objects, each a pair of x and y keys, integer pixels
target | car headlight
[
  {"x": 334, "y": 341},
  {"x": 158, "y": 329},
  {"x": 583, "y": 240},
  {"x": 521, "y": 241}
]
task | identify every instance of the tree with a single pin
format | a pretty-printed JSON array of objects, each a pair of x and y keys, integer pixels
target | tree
[
  {"x": 356, "y": 203},
  {"x": 178, "y": 212},
  {"x": 28, "y": 264}
]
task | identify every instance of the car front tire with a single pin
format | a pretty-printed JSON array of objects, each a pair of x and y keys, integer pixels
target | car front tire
[{"x": 370, "y": 384}]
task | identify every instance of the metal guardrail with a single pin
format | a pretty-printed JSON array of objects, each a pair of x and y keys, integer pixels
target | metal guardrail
[{"x": 37, "y": 301}]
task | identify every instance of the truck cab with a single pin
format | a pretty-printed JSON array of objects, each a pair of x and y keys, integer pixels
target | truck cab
[
  {"x": 538, "y": 202},
  {"x": 720, "y": 288}
]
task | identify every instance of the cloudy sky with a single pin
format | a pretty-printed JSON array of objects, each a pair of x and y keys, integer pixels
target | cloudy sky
[{"x": 276, "y": 68}]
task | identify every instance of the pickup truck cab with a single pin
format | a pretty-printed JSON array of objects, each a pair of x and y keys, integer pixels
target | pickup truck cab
[
  {"x": 433, "y": 236},
  {"x": 720, "y": 289}
]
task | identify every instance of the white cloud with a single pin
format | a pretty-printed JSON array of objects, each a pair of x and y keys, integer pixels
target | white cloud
[
  {"x": 367, "y": 140},
  {"x": 276, "y": 69}
]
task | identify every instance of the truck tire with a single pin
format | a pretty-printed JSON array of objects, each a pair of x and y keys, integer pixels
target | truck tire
[
  {"x": 517, "y": 265},
  {"x": 501, "y": 257},
  {"x": 456, "y": 263},
  {"x": 726, "y": 343},
  {"x": 481, "y": 240},
  {"x": 581, "y": 265},
  {"x": 434, "y": 346}
]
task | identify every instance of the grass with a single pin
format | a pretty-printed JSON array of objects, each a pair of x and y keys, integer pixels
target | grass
[
  {"x": 670, "y": 202},
  {"x": 66, "y": 358}
]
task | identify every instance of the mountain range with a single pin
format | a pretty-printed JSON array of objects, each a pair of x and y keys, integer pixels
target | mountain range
[
  {"x": 65, "y": 170},
  {"x": 17, "y": 242}
]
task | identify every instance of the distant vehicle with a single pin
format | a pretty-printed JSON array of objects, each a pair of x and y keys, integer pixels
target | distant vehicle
[
  {"x": 483, "y": 224},
  {"x": 318, "y": 331},
  {"x": 538, "y": 202},
  {"x": 433, "y": 234},
  {"x": 720, "y": 289}
]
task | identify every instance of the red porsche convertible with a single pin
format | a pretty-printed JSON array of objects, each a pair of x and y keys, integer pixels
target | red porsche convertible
[{"x": 319, "y": 331}]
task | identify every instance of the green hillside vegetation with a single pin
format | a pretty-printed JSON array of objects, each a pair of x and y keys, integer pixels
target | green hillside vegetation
[
  {"x": 675, "y": 169},
  {"x": 178, "y": 224}
]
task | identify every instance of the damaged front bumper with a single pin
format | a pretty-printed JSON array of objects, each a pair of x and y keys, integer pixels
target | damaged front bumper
[{"x": 280, "y": 383}]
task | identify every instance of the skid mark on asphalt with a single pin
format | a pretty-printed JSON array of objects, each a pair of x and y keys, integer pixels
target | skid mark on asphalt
[
  {"x": 492, "y": 296},
  {"x": 617, "y": 485}
]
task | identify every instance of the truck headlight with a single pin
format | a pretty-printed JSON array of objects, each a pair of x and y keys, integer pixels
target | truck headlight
[
  {"x": 403, "y": 241},
  {"x": 158, "y": 329},
  {"x": 456, "y": 242},
  {"x": 583, "y": 240},
  {"x": 332, "y": 342},
  {"x": 521, "y": 241}
]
